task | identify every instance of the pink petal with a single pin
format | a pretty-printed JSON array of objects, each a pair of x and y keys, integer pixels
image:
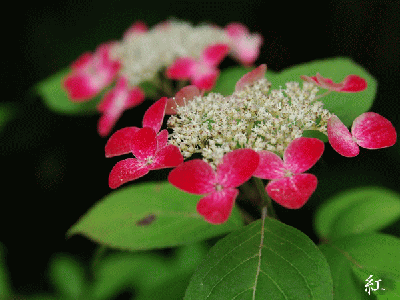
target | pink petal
[
  {"x": 137, "y": 28},
  {"x": 372, "y": 131},
  {"x": 135, "y": 97},
  {"x": 247, "y": 49},
  {"x": 120, "y": 142},
  {"x": 236, "y": 30},
  {"x": 327, "y": 83},
  {"x": 353, "y": 84},
  {"x": 206, "y": 80},
  {"x": 181, "y": 68},
  {"x": 294, "y": 191},
  {"x": 182, "y": 97},
  {"x": 217, "y": 206},
  {"x": 340, "y": 138},
  {"x": 126, "y": 170},
  {"x": 80, "y": 87},
  {"x": 154, "y": 115},
  {"x": 162, "y": 139},
  {"x": 144, "y": 143},
  {"x": 106, "y": 123},
  {"x": 194, "y": 176},
  {"x": 82, "y": 61},
  {"x": 302, "y": 153},
  {"x": 251, "y": 77},
  {"x": 168, "y": 157},
  {"x": 270, "y": 167},
  {"x": 237, "y": 167},
  {"x": 214, "y": 54}
]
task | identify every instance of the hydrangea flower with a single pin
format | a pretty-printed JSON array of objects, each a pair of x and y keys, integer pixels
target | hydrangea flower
[
  {"x": 198, "y": 177},
  {"x": 244, "y": 45},
  {"x": 115, "y": 102},
  {"x": 369, "y": 130},
  {"x": 120, "y": 142},
  {"x": 351, "y": 84},
  {"x": 151, "y": 153},
  {"x": 289, "y": 186},
  {"x": 91, "y": 73},
  {"x": 203, "y": 73}
]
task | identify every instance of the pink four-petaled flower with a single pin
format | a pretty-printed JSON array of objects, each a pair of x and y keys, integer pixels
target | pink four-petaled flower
[
  {"x": 91, "y": 73},
  {"x": 369, "y": 130},
  {"x": 351, "y": 84},
  {"x": 151, "y": 150},
  {"x": 115, "y": 102},
  {"x": 245, "y": 46},
  {"x": 289, "y": 186},
  {"x": 202, "y": 73},
  {"x": 198, "y": 177}
]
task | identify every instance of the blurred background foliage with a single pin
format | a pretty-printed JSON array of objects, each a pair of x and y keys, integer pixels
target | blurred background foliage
[{"x": 54, "y": 167}]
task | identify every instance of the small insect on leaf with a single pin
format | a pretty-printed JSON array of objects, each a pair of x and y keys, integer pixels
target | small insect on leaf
[{"x": 146, "y": 220}]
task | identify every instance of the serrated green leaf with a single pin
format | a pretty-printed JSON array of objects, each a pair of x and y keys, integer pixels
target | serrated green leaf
[
  {"x": 148, "y": 216},
  {"x": 347, "y": 106},
  {"x": 374, "y": 253},
  {"x": 265, "y": 260},
  {"x": 358, "y": 210},
  {"x": 54, "y": 96},
  {"x": 67, "y": 276}
]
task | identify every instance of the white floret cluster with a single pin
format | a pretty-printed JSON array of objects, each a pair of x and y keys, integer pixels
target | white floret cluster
[{"x": 255, "y": 117}]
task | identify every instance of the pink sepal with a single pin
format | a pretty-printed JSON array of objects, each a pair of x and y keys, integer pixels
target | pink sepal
[
  {"x": 120, "y": 142},
  {"x": 137, "y": 28},
  {"x": 193, "y": 176},
  {"x": 181, "y": 69},
  {"x": 302, "y": 154},
  {"x": 245, "y": 46},
  {"x": 214, "y": 54},
  {"x": 126, "y": 170},
  {"x": 144, "y": 143},
  {"x": 372, "y": 131},
  {"x": 294, "y": 191},
  {"x": 167, "y": 157},
  {"x": 251, "y": 77},
  {"x": 340, "y": 138},
  {"x": 351, "y": 84},
  {"x": 237, "y": 167},
  {"x": 182, "y": 97},
  {"x": 217, "y": 207},
  {"x": 154, "y": 115},
  {"x": 162, "y": 139},
  {"x": 271, "y": 166},
  {"x": 115, "y": 102}
]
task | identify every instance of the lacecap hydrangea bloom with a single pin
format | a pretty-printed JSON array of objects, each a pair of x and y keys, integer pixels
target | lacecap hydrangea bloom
[{"x": 170, "y": 50}]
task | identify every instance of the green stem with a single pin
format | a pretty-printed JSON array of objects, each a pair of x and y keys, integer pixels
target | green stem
[
  {"x": 267, "y": 202},
  {"x": 322, "y": 95}
]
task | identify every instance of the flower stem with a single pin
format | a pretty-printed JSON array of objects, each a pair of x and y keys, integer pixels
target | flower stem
[
  {"x": 267, "y": 202},
  {"x": 322, "y": 95}
]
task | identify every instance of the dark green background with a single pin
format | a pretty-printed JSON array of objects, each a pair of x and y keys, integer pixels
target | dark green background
[{"x": 53, "y": 167}]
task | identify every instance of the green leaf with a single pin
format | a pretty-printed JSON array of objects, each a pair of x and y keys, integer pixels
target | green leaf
[
  {"x": 56, "y": 98},
  {"x": 315, "y": 134},
  {"x": 67, "y": 276},
  {"x": 264, "y": 260},
  {"x": 352, "y": 257},
  {"x": 147, "y": 273},
  {"x": 148, "y": 216},
  {"x": 347, "y": 106},
  {"x": 358, "y": 210}
]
